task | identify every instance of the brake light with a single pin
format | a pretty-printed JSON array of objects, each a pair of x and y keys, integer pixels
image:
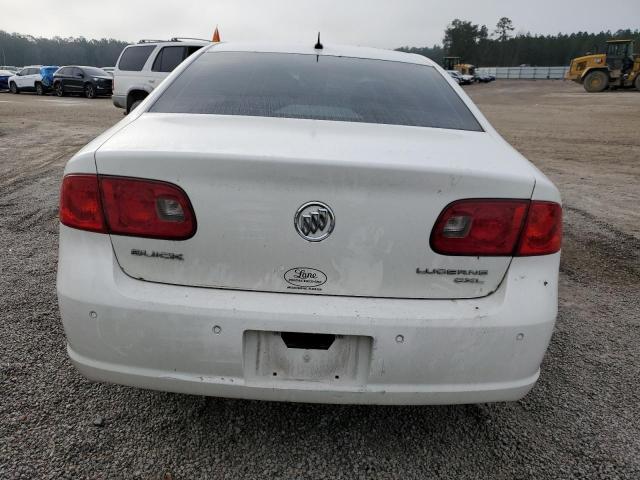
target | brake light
[
  {"x": 80, "y": 203},
  {"x": 127, "y": 206},
  {"x": 496, "y": 227},
  {"x": 542, "y": 234}
]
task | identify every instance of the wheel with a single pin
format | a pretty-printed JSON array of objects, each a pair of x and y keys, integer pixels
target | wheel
[
  {"x": 59, "y": 89},
  {"x": 89, "y": 91},
  {"x": 14, "y": 88},
  {"x": 596, "y": 82},
  {"x": 39, "y": 89},
  {"x": 636, "y": 83},
  {"x": 134, "y": 105}
]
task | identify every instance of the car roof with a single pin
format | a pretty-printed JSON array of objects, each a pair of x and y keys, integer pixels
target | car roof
[
  {"x": 328, "y": 50},
  {"x": 81, "y": 66},
  {"x": 184, "y": 42}
]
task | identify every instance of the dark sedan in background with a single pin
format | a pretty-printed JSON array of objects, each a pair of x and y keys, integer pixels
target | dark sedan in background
[{"x": 88, "y": 81}]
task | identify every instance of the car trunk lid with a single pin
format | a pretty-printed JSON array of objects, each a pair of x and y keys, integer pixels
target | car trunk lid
[{"x": 247, "y": 178}]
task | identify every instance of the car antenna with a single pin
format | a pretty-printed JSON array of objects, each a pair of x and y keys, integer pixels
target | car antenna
[{"x": 318, "y": 45}]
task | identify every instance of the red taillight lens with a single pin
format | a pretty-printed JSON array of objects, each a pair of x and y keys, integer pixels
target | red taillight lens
[
  {"x": 129, "y": 206},
  {"x": 479, "y": 227},
  {"x": 147, "y": 208},
  {"x": 542, "y": 234},
  {"x": 80, "y": 203},
  {"x": 498, "y": 228}
]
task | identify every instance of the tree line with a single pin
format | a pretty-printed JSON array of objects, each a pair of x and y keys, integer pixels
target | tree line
[
  {"x": 472, "y": 42},
  {"x": 20, "y": 50},
  {"x": 475, "y": 44}
]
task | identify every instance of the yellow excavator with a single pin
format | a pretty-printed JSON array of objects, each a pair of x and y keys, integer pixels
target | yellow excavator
[
  {"x": 454, "y": 63},
  {"x": 619, "y": 67}
]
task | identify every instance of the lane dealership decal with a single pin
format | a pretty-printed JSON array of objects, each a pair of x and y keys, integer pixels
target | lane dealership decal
[{"x": 305, "y": 278}]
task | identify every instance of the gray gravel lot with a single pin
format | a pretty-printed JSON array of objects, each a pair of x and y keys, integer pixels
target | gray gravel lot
[{"x": 582, "y": 420}]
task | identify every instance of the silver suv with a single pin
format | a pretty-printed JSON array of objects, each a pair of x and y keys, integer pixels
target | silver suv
[{"x": 142, "y": 66}]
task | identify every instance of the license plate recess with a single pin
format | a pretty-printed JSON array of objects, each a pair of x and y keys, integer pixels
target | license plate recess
[{"x": 278, "y": 357}]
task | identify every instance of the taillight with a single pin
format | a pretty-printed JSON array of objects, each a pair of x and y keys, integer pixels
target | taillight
[
  {"x": 496, "y": 227},
  {"x": 542, "y": 233},
  {"x": 80, "y": 203},
  {"x": 127, "y": 206}
]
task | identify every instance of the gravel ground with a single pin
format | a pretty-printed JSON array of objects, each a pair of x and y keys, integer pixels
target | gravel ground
[{"x": 582, "y": 420}]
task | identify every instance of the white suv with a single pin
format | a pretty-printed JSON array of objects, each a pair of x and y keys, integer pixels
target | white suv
[
  {"x": 26, "y": 79},
  {"x": 141, "y": 67}
]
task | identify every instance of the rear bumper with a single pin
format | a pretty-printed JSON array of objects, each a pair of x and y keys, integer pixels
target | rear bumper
[
  {"x": 119, "y": 101},
  {"x": 162, "y": 337}
]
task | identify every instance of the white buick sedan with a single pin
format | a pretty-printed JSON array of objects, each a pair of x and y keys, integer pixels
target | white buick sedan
[{"x": 334, "y": 224}]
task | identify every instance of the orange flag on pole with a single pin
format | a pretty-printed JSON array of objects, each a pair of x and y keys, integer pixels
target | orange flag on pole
[{"x": 216, "y": 35}]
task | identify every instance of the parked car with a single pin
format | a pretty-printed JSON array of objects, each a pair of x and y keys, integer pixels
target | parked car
[
  {"x": 34, "y": 78},
  {"x": 484, "y": 78},
  {"x": 455, "y": 75},
  {"x": 460, "y": 78},
  {"x": 467, "y": 79},
  {"x": 5, "y": 75},
  {"x": 11, "y": 68},
  {"x": 88, "y": 81},
  {"x": 306, "y": 224},
  {"x": 142, "y": 66}
]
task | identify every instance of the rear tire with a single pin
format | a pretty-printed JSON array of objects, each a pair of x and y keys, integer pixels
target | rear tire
[
  {"x": 596, "y": 82},
  {"x": 636, "y": 83},
  {"x": 89, "y": 91},
  {"x": 39, "y": 89},
  {"x": 134, "y": 105},
  {"x": 14, "y": 88},
  {"x": 59, "y": 89}
]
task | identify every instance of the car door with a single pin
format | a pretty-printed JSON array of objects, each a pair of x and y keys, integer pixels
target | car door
[
  {"x": 65, "y": 77},
  {"x": 21, "y": 76},
  {"x": 33, "y": 77},
  {"x": 74, "y": 80}
]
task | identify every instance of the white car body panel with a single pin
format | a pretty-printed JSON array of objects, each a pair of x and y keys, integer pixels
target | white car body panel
[
  {"x": 403, "y": 338},
  {"x": 386, "y": 185},
  {"x": 162, "y": 336}
]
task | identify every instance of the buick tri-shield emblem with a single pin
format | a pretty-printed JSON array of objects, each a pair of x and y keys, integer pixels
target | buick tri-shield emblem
[{"x": 314, "y": 221}]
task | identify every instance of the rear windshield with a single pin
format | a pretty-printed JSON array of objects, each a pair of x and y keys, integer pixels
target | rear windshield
[{"x": 318, "y": 88}]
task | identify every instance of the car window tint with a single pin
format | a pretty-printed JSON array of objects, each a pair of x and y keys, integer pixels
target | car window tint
[
  {"x": 95, "y": 72},
  {"x": 318, "y": 88},
  {"x": 169, "y": 58},
  {"x": 134, "y": 58},
  {"x": 193, "y": 49}
]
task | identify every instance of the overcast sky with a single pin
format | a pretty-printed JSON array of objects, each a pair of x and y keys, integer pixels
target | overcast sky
[{"x": 378, "y": 23}]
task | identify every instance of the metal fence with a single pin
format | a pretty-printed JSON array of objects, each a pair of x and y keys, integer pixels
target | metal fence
[{"x": 526, "y": 73}]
